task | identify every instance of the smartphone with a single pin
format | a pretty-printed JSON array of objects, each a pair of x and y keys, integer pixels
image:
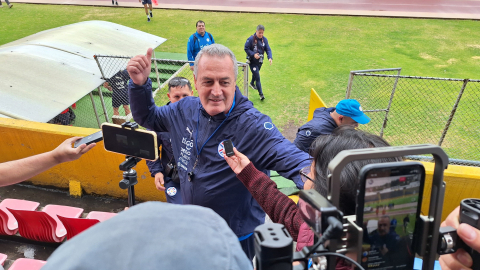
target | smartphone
[
  {"x": 92, "y": 138},
  {"x": 228, "y": 145},
  {"x": 389, "y": 198},
  {"x": 136, "y": 143}
]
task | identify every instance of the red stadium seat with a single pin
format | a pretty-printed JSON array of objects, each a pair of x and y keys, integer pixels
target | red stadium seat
[
  {"x": 44, "y": 225},
  {"x": 75, "y": 226},
  {"x": 3, "y": 258},
  {"x": 27, "y": 264},
  {"x": 8, "y": 223}
]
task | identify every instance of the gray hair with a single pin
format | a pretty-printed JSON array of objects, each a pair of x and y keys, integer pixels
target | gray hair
[
  {"x": 260, "y": 27},
  {"x": 217, "y": 50}
]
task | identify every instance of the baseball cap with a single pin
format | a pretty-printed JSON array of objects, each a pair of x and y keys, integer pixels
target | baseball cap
[
  {"x": 151, "y": 236},
  {"x": 352, "y": 108}
]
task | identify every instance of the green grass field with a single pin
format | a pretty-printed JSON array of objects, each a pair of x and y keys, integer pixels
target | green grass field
[{"x": 308, "y": 51}]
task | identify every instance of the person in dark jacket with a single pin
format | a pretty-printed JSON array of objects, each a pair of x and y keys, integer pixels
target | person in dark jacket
[
  {"x": 325, "y": 120},
  {"x": 256, "y": 47},
  {"x": 199, "y": 126},
  {"x": 164, "y": 169}
]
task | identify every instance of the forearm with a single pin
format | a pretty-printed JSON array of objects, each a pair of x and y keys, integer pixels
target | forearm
[
  {"x": 277, "y": 205},
  {"x": 20, "y": 170},
  {"x": 142, "y": 104}
]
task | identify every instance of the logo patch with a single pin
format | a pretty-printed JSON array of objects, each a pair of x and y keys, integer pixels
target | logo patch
[
  {"x": 268, "y": 125},
  {"x": 360, "y": 108},
  {"x": 171, "y": 191},
  {"x": 254, "y": 69},
  {"x": 221, "y": 149},
  {"x": 308, "y": 133},
  {"x": 208, "y": 40}
]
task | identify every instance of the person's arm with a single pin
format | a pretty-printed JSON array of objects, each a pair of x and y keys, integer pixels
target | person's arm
[
  {"x": 277, "y": 205},
  {"x": 273, "y": 151},
  {"x": 15, "y": 171},
  {"x": 268, "y": 50},
  {"x": 142, "y": 105},
  {"x": 248, "y": 45},
  {"x": 470, "y": 236},
  {"x": 190, "y": 49}
]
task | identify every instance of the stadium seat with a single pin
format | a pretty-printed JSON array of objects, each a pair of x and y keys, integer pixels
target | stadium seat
[
  {"x": 3, "y": 258},
  {"x": 8, "y": 223},
  {"x": 75, "y": 226},
  {"x": 27, "y": 264},
  {"x": 44, "y": 225}
]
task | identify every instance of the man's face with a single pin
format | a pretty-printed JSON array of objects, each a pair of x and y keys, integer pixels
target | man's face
[
  {"x": 179, "y": 92},
  {"x": 201, "y": 28},
  {"x": 383, "y": 226},
  {"x": 259, "y": 33},
  {"x": 215, "y": 83},
  {"x": 345, "y": 120}
]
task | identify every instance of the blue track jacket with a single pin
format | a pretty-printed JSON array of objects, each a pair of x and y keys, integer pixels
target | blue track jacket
[
  {"x": 262, "y": 47},
  {"x": 321, "y": 124},
  {"x": 214, "y": 184},
  {"x": 194, "y": 45}
]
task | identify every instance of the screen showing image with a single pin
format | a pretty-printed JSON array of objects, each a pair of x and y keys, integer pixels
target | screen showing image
[
  {"x": 391, "y": 199},
  {"x": 130, "y": 142}
]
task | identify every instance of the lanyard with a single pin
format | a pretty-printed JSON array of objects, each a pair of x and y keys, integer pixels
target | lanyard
[{"x": 198, "y": 121}]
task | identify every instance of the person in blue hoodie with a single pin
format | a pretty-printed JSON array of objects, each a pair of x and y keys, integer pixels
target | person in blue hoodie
[
  {"x": 256, "y": 47},
  {"x": 325, "y": 120},
  {"x": 198, "y": 127},
  {"x": 164, "y": 169},
  {"x": 197, "y": 41}
]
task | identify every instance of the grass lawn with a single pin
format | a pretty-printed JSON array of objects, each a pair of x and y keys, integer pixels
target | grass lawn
[{"x": 308, "y": 51}]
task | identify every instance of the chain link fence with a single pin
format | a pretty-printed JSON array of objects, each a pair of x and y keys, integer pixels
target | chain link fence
[
  {"x": 109, "y": 102},
  {"x": 416, "y": 110}
]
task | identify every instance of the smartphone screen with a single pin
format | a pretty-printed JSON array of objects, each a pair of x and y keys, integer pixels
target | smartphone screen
[{"x": 388, "y": 207}]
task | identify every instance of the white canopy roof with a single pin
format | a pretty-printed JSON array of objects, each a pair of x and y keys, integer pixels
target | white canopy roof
[{"x": 42, "y": 74}]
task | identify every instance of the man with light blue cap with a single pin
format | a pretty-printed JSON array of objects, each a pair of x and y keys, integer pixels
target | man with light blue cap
[{"x": 325, "y": 120}]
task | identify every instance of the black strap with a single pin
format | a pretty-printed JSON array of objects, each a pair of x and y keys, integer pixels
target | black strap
[{"x": 195, "y": 37}]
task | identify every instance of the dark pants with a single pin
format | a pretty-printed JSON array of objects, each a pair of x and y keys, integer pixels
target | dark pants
[
  {"x": 248, "y": 247},
  {"x": 255, "y": 69},
  {"x": 6, "y": 1}
]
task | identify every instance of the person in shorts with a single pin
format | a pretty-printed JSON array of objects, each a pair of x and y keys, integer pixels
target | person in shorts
[
  {"x": 147, "y": 4},
  {"x": 118, "y": 85}
]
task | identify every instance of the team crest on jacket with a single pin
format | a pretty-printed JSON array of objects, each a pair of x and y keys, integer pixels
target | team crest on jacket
[
  {"x": 221, "y": 149},
  {"x": 171, "y": 191},
  {"x": 308, "y": 133},
  {"x": 268, "y": 125}
]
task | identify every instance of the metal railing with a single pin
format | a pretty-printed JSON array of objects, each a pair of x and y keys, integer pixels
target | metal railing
[{"x": 416, "y": 110}]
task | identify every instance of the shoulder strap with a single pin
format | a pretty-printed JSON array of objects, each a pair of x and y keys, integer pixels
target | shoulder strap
[
  {"x": 210, "y": 35},
  {"x": 194, "y": 39}
]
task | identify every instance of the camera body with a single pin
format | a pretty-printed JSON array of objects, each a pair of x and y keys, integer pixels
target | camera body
[{"x": 260, "y": 60}]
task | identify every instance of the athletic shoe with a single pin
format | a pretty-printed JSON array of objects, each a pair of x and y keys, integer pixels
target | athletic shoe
[
  {"x": 148, "y": 18},
  {"x": 252, "y": 86},
  {"x": 1, "y": 6},
  {"x": 262, "y": 97},
  {"x": 116, "y": 3},
  {"x": 151, "y": 15},
  {"x": 113, "y": 2},
  {"x": 10, "y": 6}
]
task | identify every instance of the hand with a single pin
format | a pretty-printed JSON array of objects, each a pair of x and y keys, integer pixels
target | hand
[
  {"x": 237, "y": 162},
  {"x": 159, "y": 182},
  {"x": 106, "y": 85},
  {"x": 65, "y": 152},
  {"x": 270, "y": 60},
  {"x": 139, "y": 67},
  {"x": 470, "y": 236},
  {"x": 384, "y": 250},
  {"x": 191, "y": 68},
  {"x": 257, "y": 56}
]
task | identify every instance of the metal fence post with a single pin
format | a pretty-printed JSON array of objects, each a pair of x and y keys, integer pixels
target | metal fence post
[
  {"x": 245, "y": 80},
  {"x": 103, "y": 104},
  {"x": 95, "y": 109},
  {"x": 349, "y": 86},
  {"x": 389, "y": 104},
  {"x": 452, "y": 113}
]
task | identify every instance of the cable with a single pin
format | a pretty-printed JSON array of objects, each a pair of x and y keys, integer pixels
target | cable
[{"x": 338, "y": 255}]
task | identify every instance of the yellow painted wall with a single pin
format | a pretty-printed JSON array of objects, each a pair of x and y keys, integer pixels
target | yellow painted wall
[{"x": 97, "y": 170}]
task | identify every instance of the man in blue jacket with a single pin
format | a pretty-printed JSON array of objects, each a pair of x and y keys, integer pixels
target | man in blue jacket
[
  {"x": 256, "y": 47},
  {"x": 197, "y": 41},
  {"x": 164, "y": 169},
  {"x": 325, "y": 120},
  {"x": 199, "y": 126}
]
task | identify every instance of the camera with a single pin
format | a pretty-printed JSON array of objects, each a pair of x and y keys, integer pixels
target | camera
[
  {"x": 395, "y": 188},
  {"x": 260, "y": 60},
  {"x": 171, "y": 172}
]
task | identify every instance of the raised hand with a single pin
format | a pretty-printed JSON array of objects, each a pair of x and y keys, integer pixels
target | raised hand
[{"x": 139, "y": 67}]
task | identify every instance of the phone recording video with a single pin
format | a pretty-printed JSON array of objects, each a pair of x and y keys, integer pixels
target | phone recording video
[
  {"x": 388, "y": 206},
  {"x": 126, "y": 141}
]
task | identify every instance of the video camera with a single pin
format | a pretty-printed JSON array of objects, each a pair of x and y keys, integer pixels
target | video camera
[{"x": 371, "y": 239}]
